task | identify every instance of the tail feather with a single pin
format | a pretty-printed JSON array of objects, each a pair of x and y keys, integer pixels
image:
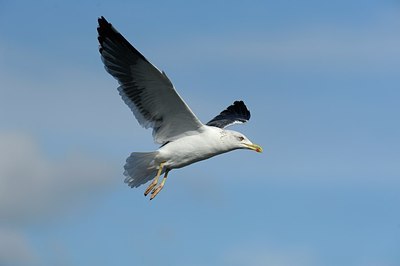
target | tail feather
[{"x": 140, "y": 168}]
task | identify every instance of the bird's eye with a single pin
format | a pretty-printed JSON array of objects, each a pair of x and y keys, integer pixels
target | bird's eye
[{"x": 240, "y": 138}]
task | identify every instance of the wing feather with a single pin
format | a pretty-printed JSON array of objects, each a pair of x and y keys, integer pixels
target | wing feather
[
  {"x": 234, "y": 114},
  {"x": 146, "y": 90}
]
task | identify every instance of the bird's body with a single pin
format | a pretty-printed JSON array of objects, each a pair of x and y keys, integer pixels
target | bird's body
[
  {"x": 209, "y": 142},
  {"x": 190, "y": 149},
  {"x": 155, "y": 103}
]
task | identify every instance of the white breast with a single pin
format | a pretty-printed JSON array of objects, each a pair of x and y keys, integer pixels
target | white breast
[{"x": 193, "y": 148}]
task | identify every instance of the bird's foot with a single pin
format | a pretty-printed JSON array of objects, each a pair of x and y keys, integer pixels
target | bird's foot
[
  {"x": 156, "y": 191},
  {"x": 151, "y": 186},
  {"x": 155, "y": 181}
]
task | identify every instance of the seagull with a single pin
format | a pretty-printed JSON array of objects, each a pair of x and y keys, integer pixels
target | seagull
[{"x": 156, "y": 104}]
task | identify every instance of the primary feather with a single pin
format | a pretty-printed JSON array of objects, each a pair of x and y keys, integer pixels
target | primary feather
[
  {"x": 145, "y": 89},
  {"x": 235, "y": 113}
]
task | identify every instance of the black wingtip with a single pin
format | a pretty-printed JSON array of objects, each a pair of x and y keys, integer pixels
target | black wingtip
[
  {"x": 241, "y": 108},
  {"x": 106, "y": 31},
  {"x": 102, "y": 20},
  {"x": 235, "y": 113},
  {"x": 103, "y": 25}
]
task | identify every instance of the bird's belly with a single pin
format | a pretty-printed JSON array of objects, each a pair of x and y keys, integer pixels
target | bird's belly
[{"x": 183, "y": 152}]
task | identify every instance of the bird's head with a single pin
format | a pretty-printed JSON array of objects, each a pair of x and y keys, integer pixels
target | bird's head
[{"x": 240, "y": 141}]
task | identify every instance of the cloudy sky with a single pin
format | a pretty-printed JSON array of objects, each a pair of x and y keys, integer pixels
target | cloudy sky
[{"x": 321, "y": 79}]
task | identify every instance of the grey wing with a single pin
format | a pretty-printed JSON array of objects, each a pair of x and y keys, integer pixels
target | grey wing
[
  {"x": 145, "y": 89},
  {"x": 234, "y": 114}
]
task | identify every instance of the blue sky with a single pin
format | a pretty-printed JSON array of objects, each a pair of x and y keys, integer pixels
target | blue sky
[{"x": 321, "y": 79}]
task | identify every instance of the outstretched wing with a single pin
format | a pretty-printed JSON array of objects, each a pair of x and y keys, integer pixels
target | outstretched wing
[
  {"x": 145, "y": 89},
  {"x": 234, "y": 114}
]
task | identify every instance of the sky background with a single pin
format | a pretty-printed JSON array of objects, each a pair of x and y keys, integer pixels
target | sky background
[{"x": 321, "y": 79}]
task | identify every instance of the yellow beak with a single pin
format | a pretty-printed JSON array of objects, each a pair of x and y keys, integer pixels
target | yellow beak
[{"x": 254, "y": 147}]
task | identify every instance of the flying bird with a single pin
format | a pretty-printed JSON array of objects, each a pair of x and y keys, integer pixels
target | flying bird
[{"x": 156, "y": 104}]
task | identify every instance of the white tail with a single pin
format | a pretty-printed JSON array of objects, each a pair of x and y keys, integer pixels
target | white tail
[{"x": 140, "y": 168}]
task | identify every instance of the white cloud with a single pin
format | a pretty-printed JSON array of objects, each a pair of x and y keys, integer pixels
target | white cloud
[
  {"x": 269, "y": 256},
  {"x": 15, "y": 249},
  {"x": 322, "y": 47},
  {"x": 32, "y": 185},
  {"x": 371, "y": 45}
]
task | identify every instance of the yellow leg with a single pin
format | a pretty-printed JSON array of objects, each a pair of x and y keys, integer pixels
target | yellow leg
[
  {"x": 158, "y": 189},
  {"x": 155, "y": 181}
]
